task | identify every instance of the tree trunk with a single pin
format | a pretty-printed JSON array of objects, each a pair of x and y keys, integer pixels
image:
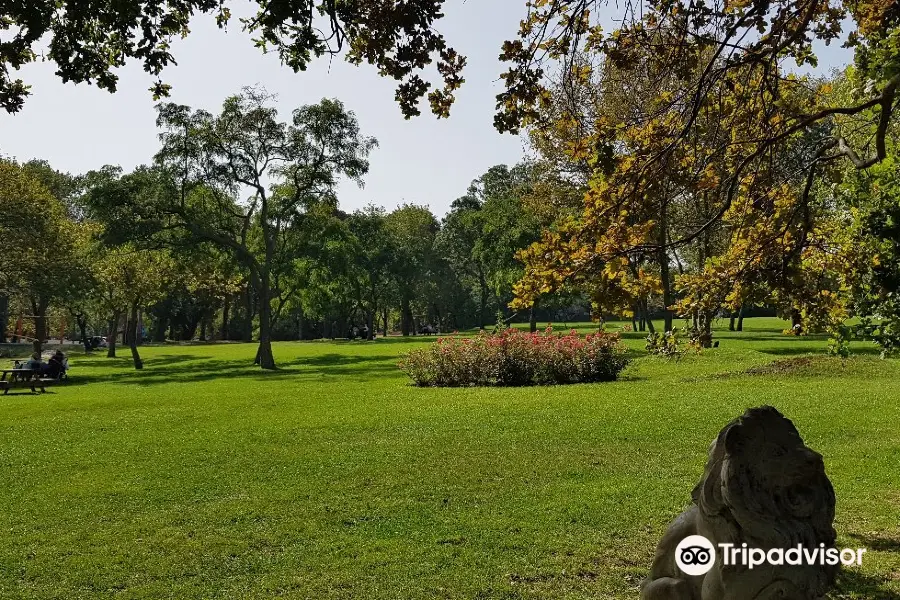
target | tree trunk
[
  {"x": 707, "y": 329},
  {"x": 202, "y": 330},
  {"x": 370, "y": 324},
  {"x": 731, "y": 321},
  {"x": 532, "y": 319},
  {"x": 385, "y": 322},
  {"x": 40, "y": 324},
  {"x": 113, "y": 334},
  {"x": 4, "y": 316},
  {"x": 663, "y": 258},
  {"x": 264, "y": 356},
  {"x": 159, "y": 332},
  {"x": 482, "y": 308},
  {"x": 740, "y": 323},
  {"x": 437, "y": 323},
  {"x": 189, "y": 328},
  {"x": 634, "y": 317},
  {"x": 81, "y": 320},
  {"x": 405, "y": 316},
  {"x": 248, "y": 305},
  {"x": 139, "y": 328},
  {"x": 131, "y": 333},
  {"x": 225, "y": 309},
  {"x": 647, "y": 318}
]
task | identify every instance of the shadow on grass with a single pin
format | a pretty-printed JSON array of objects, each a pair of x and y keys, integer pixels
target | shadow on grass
[
  {"x": 394, "y": 339},
  {"x": 864, "y": 586},
  {"x": 25, "y": 392},
  {"x": 878, "y": 542},
  {"x": 173, "y": 368}
]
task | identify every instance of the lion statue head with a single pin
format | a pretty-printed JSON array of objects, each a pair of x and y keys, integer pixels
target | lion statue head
[
  {"x": 766, "y": 481},
  {"x": 762, "y": 485}
]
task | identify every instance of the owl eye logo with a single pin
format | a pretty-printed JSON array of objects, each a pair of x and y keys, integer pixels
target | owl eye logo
[{"x": 695, "y": 555}]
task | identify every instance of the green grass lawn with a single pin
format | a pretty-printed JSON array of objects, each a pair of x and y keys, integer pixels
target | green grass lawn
[{"x": 201, "y": 477}]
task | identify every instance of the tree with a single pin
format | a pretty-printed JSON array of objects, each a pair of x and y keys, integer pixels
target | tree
[
  {"x": 701, "y": 71},
  {"x": 372, "y": 261},
  {"x": 131, "y": 279},
  {"x": 412, "y": 230},
  {"x": 65, "y": 187},
  {"x": 483, "y": 231},
  {"x": 459, "y": 240},
  {"x": 207, "y": 162},
  {"x": 25, "y": 230},
  {"x": 508, "y": 225},
  {"x": 42, "y": 262},
  {"x": 871, "y": 219},
  {"x": 89, "y": 39}
]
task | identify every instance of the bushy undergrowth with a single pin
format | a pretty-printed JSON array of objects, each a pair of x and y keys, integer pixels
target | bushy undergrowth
[
  {"x": 670, "y": 344},
  {"x": 514, "y": 358}
]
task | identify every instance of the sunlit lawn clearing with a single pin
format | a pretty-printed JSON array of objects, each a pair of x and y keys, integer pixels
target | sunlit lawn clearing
[{"x": 201, "y": 477}]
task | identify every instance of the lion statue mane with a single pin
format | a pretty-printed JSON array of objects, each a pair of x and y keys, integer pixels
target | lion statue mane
[{"x": 762, "y": 486}]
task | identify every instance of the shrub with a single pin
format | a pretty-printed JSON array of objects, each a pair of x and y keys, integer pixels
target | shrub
[
  {"x": 698, "y": 339},
  {"x": 670, "y": 344},
  {"x": 514, "y": 358},
  {"x": 666, "y": 344}
]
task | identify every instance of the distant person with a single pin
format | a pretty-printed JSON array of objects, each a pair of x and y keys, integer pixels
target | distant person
[
  {"x": 35, "y": 362},
  {"x": 56, "y": 366},
  {"x": 365, "y": 332}
]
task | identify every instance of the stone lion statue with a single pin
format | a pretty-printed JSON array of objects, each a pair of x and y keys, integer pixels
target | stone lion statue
[{"x": 762, "y": 486}]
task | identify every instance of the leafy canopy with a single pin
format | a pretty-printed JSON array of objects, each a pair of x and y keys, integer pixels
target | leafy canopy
[{"x": 89, "y": 39}]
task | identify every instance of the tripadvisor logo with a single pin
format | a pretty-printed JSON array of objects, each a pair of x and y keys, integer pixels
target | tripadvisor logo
[{"x": 695, "y": 555}]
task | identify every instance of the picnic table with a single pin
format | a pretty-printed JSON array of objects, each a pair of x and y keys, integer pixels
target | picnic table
[
  {"x": 18, "y": 373},
  {"x": 23, "y": 377}
]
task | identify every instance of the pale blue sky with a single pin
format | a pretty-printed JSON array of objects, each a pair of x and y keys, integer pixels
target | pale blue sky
[{"x": 423, "y": 160}]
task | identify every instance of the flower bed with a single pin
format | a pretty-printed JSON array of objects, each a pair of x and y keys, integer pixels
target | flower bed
[{"x": 516, "y": 358}]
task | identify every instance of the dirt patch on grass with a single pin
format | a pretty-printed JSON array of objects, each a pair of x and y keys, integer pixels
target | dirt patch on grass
[
  {"x": 816, "y": 366},
  {"x": 790, "y": 366}
]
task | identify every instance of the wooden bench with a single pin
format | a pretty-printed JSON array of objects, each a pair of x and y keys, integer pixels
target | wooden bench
[{"x": 33, "y": 384}]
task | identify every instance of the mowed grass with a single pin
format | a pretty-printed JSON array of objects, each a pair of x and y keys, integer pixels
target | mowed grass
[{"x": 201, "y": 477}]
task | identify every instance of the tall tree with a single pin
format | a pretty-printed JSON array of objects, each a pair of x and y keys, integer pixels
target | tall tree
[
  {"x": 208, "y": 161},
  {"x": 132, "y": 280},
  {"x": 731, "y": 57},
  {"x": 372, "y": 260},
  {"x": 412, "y": 230},
  {"x": 42, "y": 260},
  {"x": 460, "y": 241},
  {"x": 483, "y": 231},
  {"x": 25, "y": 230}
]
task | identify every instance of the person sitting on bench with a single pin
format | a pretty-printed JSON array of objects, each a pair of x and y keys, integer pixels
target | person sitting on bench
[
  {"x": 35, "y": 363},
  {"x": 55, "y": 367}
]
